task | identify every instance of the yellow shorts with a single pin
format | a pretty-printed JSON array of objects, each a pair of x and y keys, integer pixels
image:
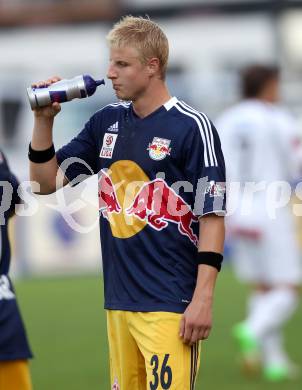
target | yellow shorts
[
  {"x": 14, "y": 375},
  {"x": 146, "y": 352}
]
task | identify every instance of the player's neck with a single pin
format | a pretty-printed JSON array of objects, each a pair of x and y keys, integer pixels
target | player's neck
[
  {"x": 151, "y": 100},
  {"x": 269, "y": 96}
]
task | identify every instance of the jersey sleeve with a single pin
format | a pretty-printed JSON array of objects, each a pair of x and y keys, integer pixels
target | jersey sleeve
[
  {"x": 205, "y": 169},
  {"x": 290, "y": 145},
  {"x": 78, "y": 158}
]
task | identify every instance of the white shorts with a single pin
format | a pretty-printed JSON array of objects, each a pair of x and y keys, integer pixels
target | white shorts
[{"x": 268, "y": 254}]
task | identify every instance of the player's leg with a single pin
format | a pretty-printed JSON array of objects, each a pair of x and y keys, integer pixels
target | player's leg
[
  {"x": 275, "y": 308},
  {"x": 277, "y": 365},
  {"x": 260, "y": 331},
  {"x": 278, "y": 300},
  {"x": 247, "y": 261},
  {"x": 170, "y": 363},
  {"x": 250, "y": 353},
  {"x": 15, "y": 375},
  {"x": 281, "y": 276},
  {"x": 127, "y": 367}
]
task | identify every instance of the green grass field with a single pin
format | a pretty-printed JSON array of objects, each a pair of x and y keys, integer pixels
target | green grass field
[{"x": 66, "y": 325}]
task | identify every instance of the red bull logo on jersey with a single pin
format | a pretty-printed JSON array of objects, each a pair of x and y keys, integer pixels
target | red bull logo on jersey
[
  {"x": 130, "y": 205},
  {"x": 108, "y": 201},
  {"x": 159, "y": 148},
  {"x": 158, "y": 205}
]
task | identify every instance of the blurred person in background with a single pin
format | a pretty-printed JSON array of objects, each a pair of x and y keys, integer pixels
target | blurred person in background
[
  {"x": 14, "y": 348},
  {"x": 159, "y": 277},
  {"x": 262, "y": 145}
]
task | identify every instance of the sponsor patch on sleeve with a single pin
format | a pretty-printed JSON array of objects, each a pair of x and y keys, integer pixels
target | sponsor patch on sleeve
[{"x": 215, "y": 189}]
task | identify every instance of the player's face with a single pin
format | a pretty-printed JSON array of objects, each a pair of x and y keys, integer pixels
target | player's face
[
  {"x": 130, "y": 78},
  {"x": 271, "y": 91}
]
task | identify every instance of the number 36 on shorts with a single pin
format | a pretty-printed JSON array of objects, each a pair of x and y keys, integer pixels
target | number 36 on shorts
[{"x": 162, "y": 373}]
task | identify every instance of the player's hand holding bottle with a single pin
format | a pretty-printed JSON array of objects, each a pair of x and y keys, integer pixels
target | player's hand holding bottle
[{"x": 52, "y": 109}]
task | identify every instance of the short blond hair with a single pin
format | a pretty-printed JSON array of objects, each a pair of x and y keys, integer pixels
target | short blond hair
[{"x": 144, "y": 35}]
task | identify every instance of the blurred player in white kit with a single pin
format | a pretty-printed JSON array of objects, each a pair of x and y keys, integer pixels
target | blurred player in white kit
[{"x": 261, "y": 145}]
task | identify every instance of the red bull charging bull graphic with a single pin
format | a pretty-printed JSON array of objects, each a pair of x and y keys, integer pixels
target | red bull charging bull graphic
[
  {"x": 159, "y": 204},
  {"x": 108, "y": 201},
  {"x": 155, "y": 203}
]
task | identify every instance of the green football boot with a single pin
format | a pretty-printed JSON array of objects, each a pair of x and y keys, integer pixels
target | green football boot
[
  {"x": 249, "y": 350},
  {"x": 280, "y": 373}
]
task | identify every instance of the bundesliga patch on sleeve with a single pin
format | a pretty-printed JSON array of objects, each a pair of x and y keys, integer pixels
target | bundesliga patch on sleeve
[
  {"x": 215, "y": 189},
  {"x": 109, "y": 141}
]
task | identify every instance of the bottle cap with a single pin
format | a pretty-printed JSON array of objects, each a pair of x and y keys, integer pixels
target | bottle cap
[{"x": 100, "y": 82}]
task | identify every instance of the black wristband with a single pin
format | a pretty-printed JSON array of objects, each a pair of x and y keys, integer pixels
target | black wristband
[
  {"x": 41, "y": 156},
  {"x": 210, "y": 258}
]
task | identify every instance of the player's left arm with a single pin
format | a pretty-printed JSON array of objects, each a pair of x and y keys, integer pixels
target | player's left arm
[
  {"x": 204, "y": 165},
  {"x": 196, "y": 321}
]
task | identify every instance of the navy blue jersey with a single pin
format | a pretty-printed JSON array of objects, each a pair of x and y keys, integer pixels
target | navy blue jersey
[
  {"x": 13, "y": 340},
  {"x": 157, "y": 175},
  {"x": 9, "y": 198}
]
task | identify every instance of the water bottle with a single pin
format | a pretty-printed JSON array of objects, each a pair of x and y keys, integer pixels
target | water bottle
[{"x": 63, "y": 91}]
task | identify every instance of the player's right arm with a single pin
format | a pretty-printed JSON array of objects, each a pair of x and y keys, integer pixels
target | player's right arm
[{"x": 45, "y": 174}]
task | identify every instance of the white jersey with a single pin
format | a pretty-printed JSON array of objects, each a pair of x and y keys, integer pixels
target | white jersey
[
  {"x": 260, "y": 142},
  {"x": 261, "y": 145}
]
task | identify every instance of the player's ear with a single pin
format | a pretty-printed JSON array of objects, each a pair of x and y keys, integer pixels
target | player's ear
[{"x": 153, "y": 66}]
